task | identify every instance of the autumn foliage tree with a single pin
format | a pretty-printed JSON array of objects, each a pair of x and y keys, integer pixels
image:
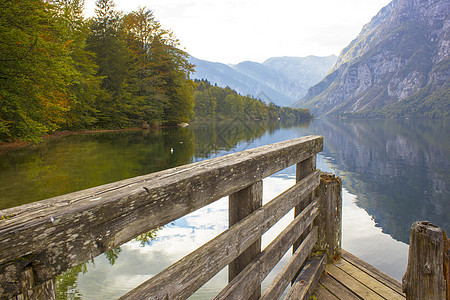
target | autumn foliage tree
[
  {"x": 35, "y": 70},
  {"x": 59, "y": 70}
]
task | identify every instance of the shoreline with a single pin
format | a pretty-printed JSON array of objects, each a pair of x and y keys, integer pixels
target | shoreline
[{"x": 10, "y": 146}]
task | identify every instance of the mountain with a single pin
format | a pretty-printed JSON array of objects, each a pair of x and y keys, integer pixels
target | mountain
[
  {"x": 398, "y": 66},
  {"x": 281, "y": 80}
]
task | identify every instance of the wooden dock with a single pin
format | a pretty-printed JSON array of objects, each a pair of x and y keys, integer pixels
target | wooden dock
[
  {"x": 41, "y": 240},
  {"x": 353, "y": 278}
]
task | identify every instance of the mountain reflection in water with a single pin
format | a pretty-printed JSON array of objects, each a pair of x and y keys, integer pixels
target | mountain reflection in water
[
  {"x": 398, "y": 169},
  {"x": 394, "y": 172}
]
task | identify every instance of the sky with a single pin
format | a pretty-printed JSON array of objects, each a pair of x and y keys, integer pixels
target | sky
[{"x": 231, "y": 31}]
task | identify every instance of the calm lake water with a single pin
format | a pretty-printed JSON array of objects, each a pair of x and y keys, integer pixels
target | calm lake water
[{"x": 394, "y": 172}]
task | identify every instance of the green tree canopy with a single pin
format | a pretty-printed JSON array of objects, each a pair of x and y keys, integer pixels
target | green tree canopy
[
  {"x": 35, "y": 70},
  {"x": 213, "y": 102}
]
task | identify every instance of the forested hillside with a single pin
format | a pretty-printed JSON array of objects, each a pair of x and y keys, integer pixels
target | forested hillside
[
  {"x": 213, "y": 102},
  {"x": 59, "y": 70},
  {"x": 281, "y": 80}
]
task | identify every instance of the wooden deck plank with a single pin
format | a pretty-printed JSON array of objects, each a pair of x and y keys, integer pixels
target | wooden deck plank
[
  {"x": 323, "y": 294},
  {"x": 372, "y": 271},
  {"x": 370, "y": 282},
  {"x": 336, "y": 288},
  {"x": 357, "y": 287},
  {"x": 352, "y": 278},
  {"x": 308, "y": 278}
]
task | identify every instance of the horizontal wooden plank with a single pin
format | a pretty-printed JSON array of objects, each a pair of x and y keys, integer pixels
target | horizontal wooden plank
[
  {"x": 376, "y": 286},
  {"x": 321, "y": 293},
  {"x": 308, "y": 278},
  {"x": 336, "y": 288},
  {"x": 184, "y": 277},
  {"x": 372, "y": 271},
  {"x": 355, "y": 286},
  {"x": 285, "y": 276},
  {"x": 56, "y": 234},
  {"x": 250, "y": 278}
]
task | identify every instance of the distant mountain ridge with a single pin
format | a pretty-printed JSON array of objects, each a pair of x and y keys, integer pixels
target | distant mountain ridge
[
  {"x": 281, "y": 80},
  {"x": 398, "y": 66}
]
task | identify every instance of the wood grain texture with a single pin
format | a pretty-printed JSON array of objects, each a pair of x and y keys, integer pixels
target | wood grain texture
[
  {"x": 56, "y": 234},
  {"x": 243, "y": 286},
  {"x": 323, "y": 294},
  {"x": 45, "y": 291},
  {"x": 329, "y": 220},
  {"x": 337, "y": 289},
  {"x": 308, "y": 278},
  {"x": 369, "y": 281},
  {"x": 424, "y": 277},
  {"x": 242, "y": 204},
  {"x": 355, "y": 286},
  {"x": 184, "y": 277},
  {"x": 303, "y": 168},
  {"x": 372, "y": 271},
  {"x": 285, "y": 276}
]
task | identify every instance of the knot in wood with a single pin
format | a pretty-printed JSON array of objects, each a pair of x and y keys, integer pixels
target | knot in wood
[{"x": 427, "y": 268}]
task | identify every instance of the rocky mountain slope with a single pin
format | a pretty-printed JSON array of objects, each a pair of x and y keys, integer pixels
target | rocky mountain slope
[
  {"x": 281, "y": 80},
  {"x": 398, "y": 66}
]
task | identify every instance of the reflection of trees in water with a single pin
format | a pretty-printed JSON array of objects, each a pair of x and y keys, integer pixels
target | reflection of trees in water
[
  {"x": 154, "y": 153},
  {"x": 212, "y": 138},
  {"x": 58, "y": 167},
  {"x": 78, "y": 162},
  {"x": 67, "y": 283},
  {"x": 397, "y": 168}
]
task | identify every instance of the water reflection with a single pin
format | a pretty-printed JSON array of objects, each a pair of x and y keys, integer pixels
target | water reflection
[
  {"x": 394, "y": 171},
  {"x": 397, "y": 168},
  {"x": 137, "y": 264},
  {"x": 222, "y": 137},
  {"x": 60, "y": 166},
  {"x": 73, "y": 163}
]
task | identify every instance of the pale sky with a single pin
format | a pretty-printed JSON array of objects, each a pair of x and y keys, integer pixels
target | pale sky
[{"x": 231, "y": 31}]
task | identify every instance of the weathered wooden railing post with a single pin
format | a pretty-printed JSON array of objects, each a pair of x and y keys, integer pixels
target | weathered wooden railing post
[
  {"x": 45, "y": 291},
  {"x": 41, "y": 240},
  {"x": 304, "y": 168},
  {"x": 242, "y": 204},
  {"x": 427, "y": 274},
  {"x": 329, "y": 220}
]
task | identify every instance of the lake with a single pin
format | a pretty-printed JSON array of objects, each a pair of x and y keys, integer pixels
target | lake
[{"x": 394, "y": 172}]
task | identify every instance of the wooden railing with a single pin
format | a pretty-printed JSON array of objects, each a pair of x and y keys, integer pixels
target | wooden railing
[{"x": 41, "y": 240}]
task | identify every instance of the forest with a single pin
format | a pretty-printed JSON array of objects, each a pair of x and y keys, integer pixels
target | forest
[
  {"x": 216, "y": 103},
  {"x": 62, "y": 71}
]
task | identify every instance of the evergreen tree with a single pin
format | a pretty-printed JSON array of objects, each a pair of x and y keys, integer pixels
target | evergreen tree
[
  {"x": 213, "y": 102},
  {"x": 107, "y": 41},
  {"x": 148, "y": 100},
  {"x": 161, "y": 72}
]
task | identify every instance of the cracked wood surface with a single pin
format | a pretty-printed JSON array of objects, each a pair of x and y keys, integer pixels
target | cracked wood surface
[{"x": 53, "y": 235}]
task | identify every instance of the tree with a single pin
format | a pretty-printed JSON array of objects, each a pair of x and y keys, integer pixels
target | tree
[
  {"x": 213, "y": 102},
  {"x": 35, "y": 70},
  {"x": 148, "y": 100},
  {"x": 107, "y": 41},
  {"x": 161, "y": 70},
  {"x": 85, "y": 86}
]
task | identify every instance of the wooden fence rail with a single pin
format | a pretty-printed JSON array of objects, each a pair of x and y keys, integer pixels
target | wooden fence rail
[{"x": 41, "y": 240}]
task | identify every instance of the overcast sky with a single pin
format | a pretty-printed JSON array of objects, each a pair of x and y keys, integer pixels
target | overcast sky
[{"x": 231, "y": 31}]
